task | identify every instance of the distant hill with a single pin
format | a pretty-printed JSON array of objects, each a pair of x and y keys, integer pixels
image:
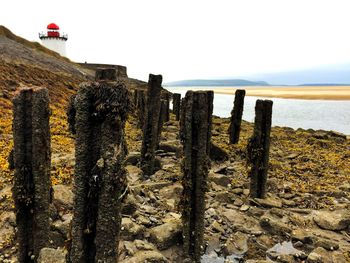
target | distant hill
[
  {"x": 215, "y": 82},
  {"x": 327, "y": 75}
]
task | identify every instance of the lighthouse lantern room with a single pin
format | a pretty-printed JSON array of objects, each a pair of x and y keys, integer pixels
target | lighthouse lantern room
[{"x": 54, "y": 40}]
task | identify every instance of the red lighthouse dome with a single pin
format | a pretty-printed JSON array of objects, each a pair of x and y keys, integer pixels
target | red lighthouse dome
[{"x": 53, "y": 26}]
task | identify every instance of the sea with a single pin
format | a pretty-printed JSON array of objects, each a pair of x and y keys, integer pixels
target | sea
[{"x": 295, "y": 113}]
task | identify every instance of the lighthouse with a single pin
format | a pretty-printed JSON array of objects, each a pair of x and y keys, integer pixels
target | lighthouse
[{"x": 54, "y": 40}]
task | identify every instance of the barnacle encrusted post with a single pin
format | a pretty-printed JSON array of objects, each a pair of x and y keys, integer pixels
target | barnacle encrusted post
[
  {"x": 162, "y": 118},
  {"x": 99, "y": 177},
  {"x": 176, "y": 105},
  {"x": 32, "y": 184},
  {"x": 141, "y": 108},
  {"x": 167, "y": 106},
  {"x": 236, "y": 116},
  {"x": 196, "y": 123},
  {"x": 151, "y": 126},
  {"x": 258, "y": 148}
]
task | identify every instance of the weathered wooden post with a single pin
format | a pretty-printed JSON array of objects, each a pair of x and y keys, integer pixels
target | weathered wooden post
[
  {"x": 258, "y": 148},
  {"x": 176, "y": 105},
  {"x": 32, "y": 184},
  {"x": 151, "y": 127},
  {"x": 136, "y": 94},
  {"x": 167, "y": 106},
  {"x": 99, "y": 177},
  {"x": 196, "y": 122},
  {"x": 162, "y": 118},
  {"x": 236, "y": 116},
  {"x": 141, "y": 108}
]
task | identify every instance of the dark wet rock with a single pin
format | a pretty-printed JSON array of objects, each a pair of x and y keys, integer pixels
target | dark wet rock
[
  {"x": 166, "y": 235},
  {"x": 217, "y": 154},
  {"x": 133, "y": 158},
  {"x": 129, "y": 205},
  {"x": 63, "y": 226},
  {"x": 51, "y": 255},
  {"x": 332, "y": 220},
  {"x": 170, "y": 146},
  {"x": 63, "y": 196}
]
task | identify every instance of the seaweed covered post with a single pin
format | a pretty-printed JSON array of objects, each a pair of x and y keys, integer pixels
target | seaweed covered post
[
  {"x": 258, "y": 148},
  {"x": 141, "y": 107},
  {"x": 176, "y": 105},
  {"x": 196, "y": 122},
  {"x": 151, "y": 126},
  {"x": 101, "y": 110},
  {"x": 31, "y": 161},
  {"x": 236, "y": 116}
]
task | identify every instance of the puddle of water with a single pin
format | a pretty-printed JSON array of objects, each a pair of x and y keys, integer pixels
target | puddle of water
[
  {"x": 286, "y": 248},
  {"x": 214, "y": 258}
]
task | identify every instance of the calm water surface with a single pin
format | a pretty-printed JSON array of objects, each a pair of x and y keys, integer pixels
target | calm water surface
[{"x": 294, "y": 113}]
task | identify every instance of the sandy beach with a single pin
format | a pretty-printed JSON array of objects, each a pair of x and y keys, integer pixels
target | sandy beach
[{"x": 289, "y": 92}]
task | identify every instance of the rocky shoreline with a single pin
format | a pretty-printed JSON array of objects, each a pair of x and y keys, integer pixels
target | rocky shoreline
[{"x": 305, "y": 217}]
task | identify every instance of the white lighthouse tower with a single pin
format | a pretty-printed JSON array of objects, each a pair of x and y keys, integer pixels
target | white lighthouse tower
[{"x": 54, "y": 40}]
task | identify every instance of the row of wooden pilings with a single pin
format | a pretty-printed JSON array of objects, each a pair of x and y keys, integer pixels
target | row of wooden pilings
[{"x": 97, "y": 116}]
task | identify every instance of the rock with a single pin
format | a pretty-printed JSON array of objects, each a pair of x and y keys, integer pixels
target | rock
[
  {"x": 321, "y": 255},
  {"x": 146, "y": 256},
  {"x": 237, "y": 244},
  {"x": 304, "y": 236},
  {"x": 242, "y": 222},
  {"x": 332, "y": 220},
  {"x": 326, "y": 244},
  {"x": 274, "y": 225},
  {"x": 173, "y": 191},
  {"x": 238, "y": 202},
  {"x": 170, "y": 146},
  {"x": 63, "y": 196},
  {"x": 7, "y": 225},
  {"x": 63, "y": 227},
  {"x": 345, "y": 187},
  {"x": 130, "y": 230},
  {"x": 129, "y": 205},
  {"x": 166, "y": 235},
  {"x": 244, "y": 208},
  {"x": 269, "y": 202},
  {"x": 217, "y": 154},
  {"x": 237, "y": 191},
  {"x": 50, "y": 255},
  {"x": 133, "y": 158},
  {"x": 217, "y": 227},
  {"x": 143, "y": 245},
  {"x": 219, "y": 179},
  {"x": 134, "y": 173}
]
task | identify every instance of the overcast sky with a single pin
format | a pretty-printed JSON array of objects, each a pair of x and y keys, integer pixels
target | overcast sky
[{"x": 187, "y": 39}]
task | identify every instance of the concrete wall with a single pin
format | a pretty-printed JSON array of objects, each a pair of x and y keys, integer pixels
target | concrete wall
[{"x": 121, "y": 70}]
